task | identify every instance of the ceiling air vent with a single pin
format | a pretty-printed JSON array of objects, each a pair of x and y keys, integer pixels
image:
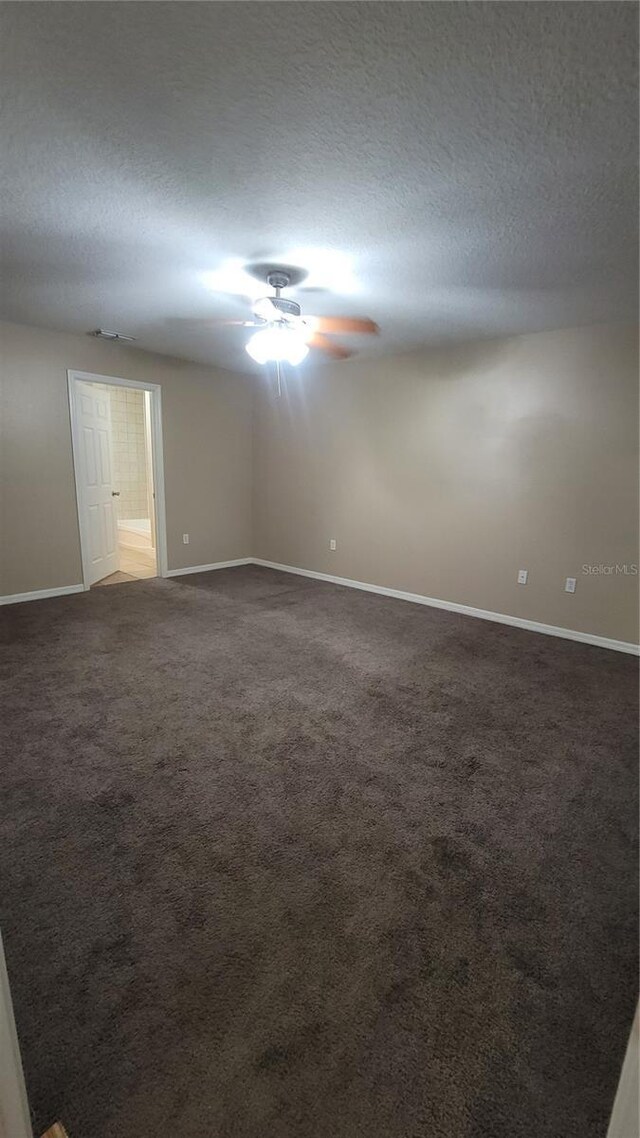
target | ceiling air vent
[{"x": 103, "y": 334}]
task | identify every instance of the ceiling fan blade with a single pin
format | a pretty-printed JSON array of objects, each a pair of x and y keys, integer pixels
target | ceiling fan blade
[
  {"x": 318, "y": 340},
  {"x": 344, "y": 324}
]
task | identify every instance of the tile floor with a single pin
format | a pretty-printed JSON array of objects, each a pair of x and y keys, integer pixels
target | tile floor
[{"x": 135, "y": 565}]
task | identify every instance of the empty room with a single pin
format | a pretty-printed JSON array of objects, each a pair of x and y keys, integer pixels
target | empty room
[{"x": 319, "y": 350}]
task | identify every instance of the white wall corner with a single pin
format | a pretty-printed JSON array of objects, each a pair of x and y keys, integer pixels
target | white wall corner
[
  {"x": 14, "y": 1108},
  {"x": 625, "y": 1118}
]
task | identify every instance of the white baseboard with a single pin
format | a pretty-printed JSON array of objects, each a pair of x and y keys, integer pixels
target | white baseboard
[
  {"x": 465, "y": 610},
  {"x": 207, "y": 568},
  {"x": 41, "y": 594},
  {"x": 398, "y": 594}
]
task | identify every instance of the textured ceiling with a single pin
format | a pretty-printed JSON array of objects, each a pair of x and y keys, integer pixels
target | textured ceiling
[{"x": 452, "y": 170}]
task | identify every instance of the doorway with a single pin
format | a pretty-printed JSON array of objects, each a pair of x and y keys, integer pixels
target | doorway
[{"x": 117, "y": 450}]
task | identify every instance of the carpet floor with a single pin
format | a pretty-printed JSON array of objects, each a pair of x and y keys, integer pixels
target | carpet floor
[{"x": 282, "y": 859}]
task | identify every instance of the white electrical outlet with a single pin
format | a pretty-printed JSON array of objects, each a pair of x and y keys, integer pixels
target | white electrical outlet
[
  {"x": 522, "y": 576},
  {"x": 570, "y": 585},
  {"x": 333, "y": 543},
  {"x": 185, "y": 539}
]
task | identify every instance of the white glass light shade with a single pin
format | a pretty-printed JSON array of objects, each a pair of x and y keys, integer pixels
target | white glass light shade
[{"x": 277, "y": 343}]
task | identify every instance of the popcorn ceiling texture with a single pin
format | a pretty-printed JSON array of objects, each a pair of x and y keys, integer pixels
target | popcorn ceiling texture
[{"x": 476, "y": 163}]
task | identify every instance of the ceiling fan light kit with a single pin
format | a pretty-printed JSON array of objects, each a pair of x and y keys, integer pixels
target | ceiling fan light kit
[{"x": 283, "y": 334}]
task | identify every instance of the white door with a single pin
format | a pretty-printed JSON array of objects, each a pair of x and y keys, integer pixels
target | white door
[{"x": 98, "y": 521}]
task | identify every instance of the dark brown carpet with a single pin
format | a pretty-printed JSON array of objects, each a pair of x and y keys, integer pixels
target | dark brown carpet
[{"x": 286, "y": 860}]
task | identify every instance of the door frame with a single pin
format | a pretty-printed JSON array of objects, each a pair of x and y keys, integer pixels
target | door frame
[{"x": 157, "y": 457}]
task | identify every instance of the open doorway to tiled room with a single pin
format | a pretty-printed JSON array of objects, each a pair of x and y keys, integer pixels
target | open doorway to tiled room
[{"x": 132, "y": 470}]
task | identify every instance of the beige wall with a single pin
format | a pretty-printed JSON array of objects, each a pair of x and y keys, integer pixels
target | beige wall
[
  {"x": 440, "y": 473},
  {"x": 207, "y": 454},
  {"x": 443, "y": 473}
]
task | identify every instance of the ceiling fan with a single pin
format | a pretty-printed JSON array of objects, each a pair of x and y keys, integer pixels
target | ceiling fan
[{"x": 285, "y": 335}]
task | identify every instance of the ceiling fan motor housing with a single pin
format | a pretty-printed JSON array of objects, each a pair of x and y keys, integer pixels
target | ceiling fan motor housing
[{"x": 277, "y": 278}]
